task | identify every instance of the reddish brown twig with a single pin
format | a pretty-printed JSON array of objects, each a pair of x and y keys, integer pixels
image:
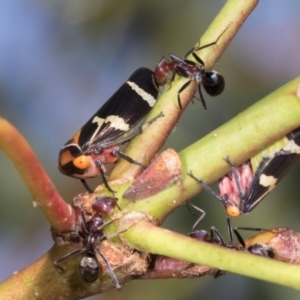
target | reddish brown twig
[{"x": 60, "y": 214}]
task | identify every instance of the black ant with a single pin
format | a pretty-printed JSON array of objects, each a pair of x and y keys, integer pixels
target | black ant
[
  {"x": 214, "y": 237},
  {"x": 91, "y": 236},
  {"x": 212, "y": 81}
]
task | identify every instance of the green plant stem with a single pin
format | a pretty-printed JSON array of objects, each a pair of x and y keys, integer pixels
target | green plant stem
[
  {"x": 230, "y": 18},
  {"x": 242, "y": 137},
  {"x": 147, "y": 237}
]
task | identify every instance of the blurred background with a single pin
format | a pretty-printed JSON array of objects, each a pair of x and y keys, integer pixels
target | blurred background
[{"x": 60, "y": 61}]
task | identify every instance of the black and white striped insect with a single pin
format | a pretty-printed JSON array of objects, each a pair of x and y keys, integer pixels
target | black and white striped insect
[
  {"x": 246, "y": 186},
  {"x": 97, "y": 142}
]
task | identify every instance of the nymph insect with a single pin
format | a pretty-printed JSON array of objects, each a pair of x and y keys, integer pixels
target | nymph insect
[{"x": 245, "y": 187}]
